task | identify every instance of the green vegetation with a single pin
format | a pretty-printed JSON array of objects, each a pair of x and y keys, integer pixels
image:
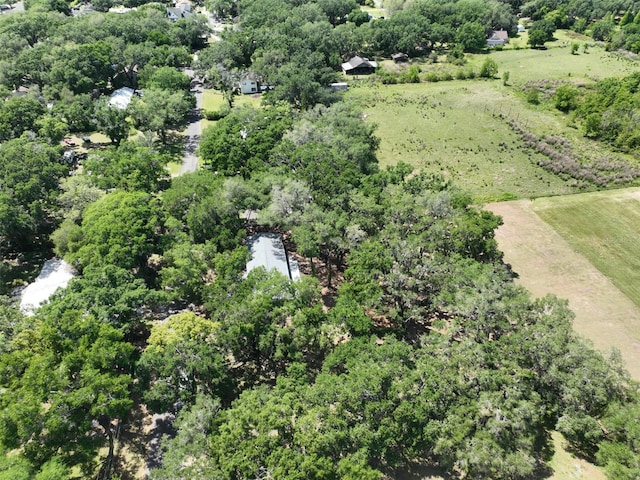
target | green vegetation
[
  {"x": 405, "y": 342},
  {"x": 604, "y": 229},
  {"x": 458, "y": 129}
]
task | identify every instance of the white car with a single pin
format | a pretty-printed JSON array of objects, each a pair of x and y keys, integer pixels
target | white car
[{"x": 5, "y": 7}]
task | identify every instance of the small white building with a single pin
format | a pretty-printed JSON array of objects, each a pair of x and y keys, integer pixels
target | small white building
[
  {"x": 339, "y": 86},
  {"x": 121, "y": 98},
  {"x": 249, "y": 84},
  {"x": 55, "y": 274}
]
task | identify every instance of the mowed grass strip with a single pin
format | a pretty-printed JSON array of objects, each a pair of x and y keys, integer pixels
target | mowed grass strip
[{"x": 603, "y": 227}]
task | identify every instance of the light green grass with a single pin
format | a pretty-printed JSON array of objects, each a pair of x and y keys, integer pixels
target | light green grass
[
  {"x": 213, "y": 100},
  {"x": 557, "y": 63},
  {"x": 604, "y": 227},
  {"x": 459, "y": 128},
  {"x": 455, "y": 129},
  {"x": 374, "y": 12}
]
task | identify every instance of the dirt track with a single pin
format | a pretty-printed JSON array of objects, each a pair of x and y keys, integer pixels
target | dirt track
[{"x": 547, "y": 264}]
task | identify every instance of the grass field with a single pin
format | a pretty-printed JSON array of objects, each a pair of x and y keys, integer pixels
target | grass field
[
  {"x": 604, "y": 227},
  {"x": 458, "y": 128},
  {"x": 454, "y": 128},
  {"x": 561, "y": 257}
]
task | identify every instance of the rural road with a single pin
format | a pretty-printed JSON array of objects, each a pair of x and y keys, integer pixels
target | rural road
[{"x": 192, "y": 139}]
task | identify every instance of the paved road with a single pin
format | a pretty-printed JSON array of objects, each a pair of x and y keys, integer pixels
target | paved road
[{"x": 194, "y": 129}]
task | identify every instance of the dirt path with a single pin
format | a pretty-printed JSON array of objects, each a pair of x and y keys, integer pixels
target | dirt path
[{"x": 547, "y": 264}]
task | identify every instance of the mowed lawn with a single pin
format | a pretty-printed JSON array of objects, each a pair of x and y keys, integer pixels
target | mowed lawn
[{"x": 604, "y": 227}]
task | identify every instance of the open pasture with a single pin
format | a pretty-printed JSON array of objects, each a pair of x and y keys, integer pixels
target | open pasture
[
  {"x": 604, "y": 227},
  {"x": 457, "y": 129}
]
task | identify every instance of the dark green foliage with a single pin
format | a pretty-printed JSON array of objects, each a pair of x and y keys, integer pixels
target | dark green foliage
[
  {"x": 471, "y": 36},
  {"x": 566, "y": 97},
  {"x": 608, "y": 112},
  {"x": 182, "y": 360},
  {"x": 29, "y": 175},
  {"x": 112, "y": 122},
  {"x": 242, "y": 141},
  {"x": 69, "y": 371},
  {"x": 121, "y": 229},
  {"x": 109, "y": 294},
  {"x": 130, "y": 167},
  {"x": 18, "y": 115}
]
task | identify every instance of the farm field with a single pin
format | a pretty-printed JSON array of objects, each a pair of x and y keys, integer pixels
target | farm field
[
  {"x": 586, "y": 254},
  {"x": 459, "y": 128}
]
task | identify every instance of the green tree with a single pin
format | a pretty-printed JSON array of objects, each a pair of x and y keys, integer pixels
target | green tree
[
  {"x": 181, "y": 361},
  {"x": 73, "y": 380},
  {"x": 121, "y": 229},
  {"x": 19, "y": 114},
  {"x": 537, "y": 38},
  {"x": 112, "y": 122},
  {"x": 472, "y": 37},
  {"x": 566, "y": 97},
  {"x": 163, "y": 78},
  {"x": 131, "y": 166},
  {"x": 161, "y": 110},
  {"x": 489, "y": 68},
  {"x": 29, "y": 175}
]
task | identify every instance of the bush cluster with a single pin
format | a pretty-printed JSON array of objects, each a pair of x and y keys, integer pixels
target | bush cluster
[{"x": 559, "y": 158}]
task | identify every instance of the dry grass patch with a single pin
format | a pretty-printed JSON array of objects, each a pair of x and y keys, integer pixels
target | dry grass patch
[{"x": 551, "y": 261}]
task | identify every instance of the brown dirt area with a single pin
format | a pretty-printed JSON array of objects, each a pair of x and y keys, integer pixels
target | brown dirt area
[{"x": 547, "y": 264}]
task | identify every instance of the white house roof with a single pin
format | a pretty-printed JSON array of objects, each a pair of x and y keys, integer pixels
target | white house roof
[
  {"x": 121, "y": 98},
  {"x": 55, "y": 274},
  {"x": 267, "y": 250}
]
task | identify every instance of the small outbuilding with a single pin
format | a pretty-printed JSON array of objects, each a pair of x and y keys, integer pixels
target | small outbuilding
[
  {"x": 339, "y": 86},
  {"x": 521, "y": 28},
  {"x": 121, "y": 98},
  {"x": 359, "y": 66},
  {"x": 498, "y": 38},
  {"x": 400, "y": 57}
]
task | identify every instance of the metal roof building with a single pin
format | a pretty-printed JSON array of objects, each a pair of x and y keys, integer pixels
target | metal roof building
[{"x": 267, "y": 250}]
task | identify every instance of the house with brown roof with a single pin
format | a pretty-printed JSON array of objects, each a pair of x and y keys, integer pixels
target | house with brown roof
[{"x": 498, "y": 38}]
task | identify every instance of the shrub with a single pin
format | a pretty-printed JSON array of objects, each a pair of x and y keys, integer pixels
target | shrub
[
  {"x": 489, "y": 68},
  {"x": 215, "y": 115},
  {"x": 432, "y": 77},
  {"x": 533, "y": 96}
]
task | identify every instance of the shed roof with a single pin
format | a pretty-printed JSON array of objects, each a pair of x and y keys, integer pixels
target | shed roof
[
  {"x": 359, "y": 62},
  {"x": 267, "y": 250},
  {"x": 121, "y": 98}
]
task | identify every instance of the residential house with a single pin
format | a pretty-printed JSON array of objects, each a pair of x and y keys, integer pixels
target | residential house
[
  {"x": 359, "y": 66},
  {"x": 249, "y": 84},
  {"x": 498, "y": 38},
  {"x": 181, "y": 10}
]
